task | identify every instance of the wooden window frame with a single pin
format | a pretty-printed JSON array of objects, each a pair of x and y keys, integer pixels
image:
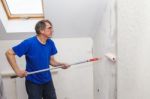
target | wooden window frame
[{"x": 21, "y": 16}]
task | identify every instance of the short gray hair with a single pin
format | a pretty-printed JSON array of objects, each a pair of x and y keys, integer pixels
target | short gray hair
[{"x": 40, "y": 25}]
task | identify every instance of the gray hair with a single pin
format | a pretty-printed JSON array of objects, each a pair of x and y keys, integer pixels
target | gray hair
[{"x": 41, "y": 25}]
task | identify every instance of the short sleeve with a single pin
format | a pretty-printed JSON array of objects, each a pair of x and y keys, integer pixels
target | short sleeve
[
  {"x": 21, "y": 49},
  {"x": 53, "y": 48}
]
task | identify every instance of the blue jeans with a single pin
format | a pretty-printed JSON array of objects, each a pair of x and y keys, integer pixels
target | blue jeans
[{"x": 42, "y": 91}]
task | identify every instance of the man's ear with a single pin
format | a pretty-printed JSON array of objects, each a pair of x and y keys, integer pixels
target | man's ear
[{"x": 41, "y": 31}]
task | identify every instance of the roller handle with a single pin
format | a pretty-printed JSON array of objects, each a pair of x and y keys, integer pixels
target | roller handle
[
  {"x": 93, "y": 59},
  {"x": 90, "y": 60}
]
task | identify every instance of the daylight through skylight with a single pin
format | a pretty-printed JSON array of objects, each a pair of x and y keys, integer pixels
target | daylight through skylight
[{"x": 27, "y": 8}]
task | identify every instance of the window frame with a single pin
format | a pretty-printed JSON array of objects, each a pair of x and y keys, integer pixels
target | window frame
[{"x": 21, "y": 16}]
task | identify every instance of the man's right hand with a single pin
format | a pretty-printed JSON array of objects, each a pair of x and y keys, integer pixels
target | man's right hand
[
  {"x": 21, "y": 73},
  {"x": 10, "y": 55}
]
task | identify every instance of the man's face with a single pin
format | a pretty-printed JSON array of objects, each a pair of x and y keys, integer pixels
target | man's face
[{"x": 48, "y": 30}]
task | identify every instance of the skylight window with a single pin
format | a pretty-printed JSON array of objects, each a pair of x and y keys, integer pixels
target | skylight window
[{"x": 23, "y": 8}]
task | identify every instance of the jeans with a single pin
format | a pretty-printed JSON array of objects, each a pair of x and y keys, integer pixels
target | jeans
[{"x": 42, "y": 91}]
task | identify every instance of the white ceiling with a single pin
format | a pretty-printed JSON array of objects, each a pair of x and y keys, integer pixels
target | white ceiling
[{"x": 71, "y": 18}]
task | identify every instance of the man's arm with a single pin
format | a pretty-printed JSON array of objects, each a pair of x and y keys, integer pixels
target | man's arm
[
  {"x": 10, "y": 55},
  {"x": 55, "y": 63}
]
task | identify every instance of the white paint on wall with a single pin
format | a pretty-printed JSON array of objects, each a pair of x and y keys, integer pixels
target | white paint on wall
[
  {"x": 105, "y": 42},
  {"x": 133, "y": 49},
  {"x": 73, "y": 83}
]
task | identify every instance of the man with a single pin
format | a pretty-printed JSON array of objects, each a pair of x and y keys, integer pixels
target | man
[{"x": 39, "y": 52}]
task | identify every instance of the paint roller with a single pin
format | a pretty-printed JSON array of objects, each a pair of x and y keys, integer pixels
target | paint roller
[
  {"x": 111, "y": 56},
  {"x": 48, "y": 69}
]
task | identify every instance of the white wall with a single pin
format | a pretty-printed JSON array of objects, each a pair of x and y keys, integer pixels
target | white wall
[
  {"x": 133, "y": 49},
  {"x": 105, "y": 42},
  {"x": 73, "y": 83}
]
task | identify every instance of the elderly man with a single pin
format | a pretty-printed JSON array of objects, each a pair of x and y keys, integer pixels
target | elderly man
[{"x": 39, "y": 51}]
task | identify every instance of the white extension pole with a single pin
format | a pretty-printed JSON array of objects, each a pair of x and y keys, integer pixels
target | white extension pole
[{"x": 48, "y": 69}]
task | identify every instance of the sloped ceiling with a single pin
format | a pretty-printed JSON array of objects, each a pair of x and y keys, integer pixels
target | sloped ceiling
[
  {"x": 74, "y": 18},
  {"x": 12, "y": 36},
  {"x": 70, "y": 18}
]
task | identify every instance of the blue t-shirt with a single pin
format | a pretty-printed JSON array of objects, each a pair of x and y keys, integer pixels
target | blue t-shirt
[{"x": 37, "y": 57}]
